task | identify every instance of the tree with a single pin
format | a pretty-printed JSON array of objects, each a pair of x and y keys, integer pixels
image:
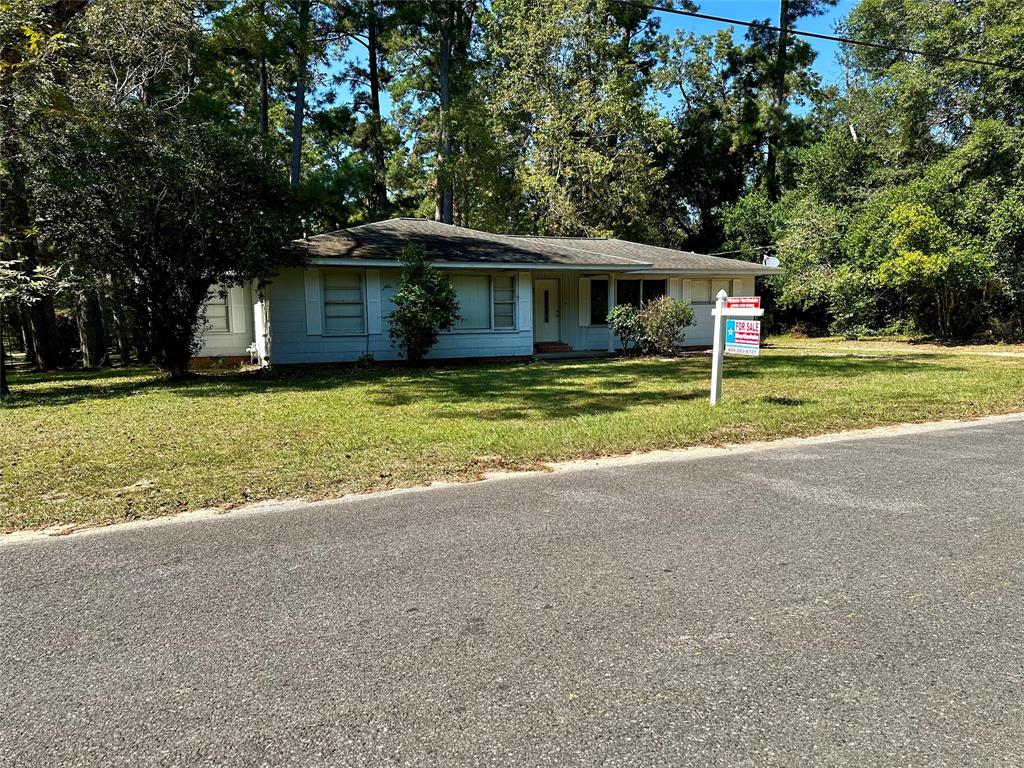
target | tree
[
  {"x": 369, "y": 24},
  {"x": 943, "y": 282},
  {"x": 433, "y": 70},
  {"x": 20, "y": 287},
  {"x": 32, "y": 42},
  {"x": 790, "y": 11},
  {"x": 425, "y": 305},
  {"x": 201, "y": 206},
  {"x": 569, "y": 95}
]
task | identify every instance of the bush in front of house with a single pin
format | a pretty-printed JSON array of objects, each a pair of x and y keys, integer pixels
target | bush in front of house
[
  {"x": 425, "y": 305},
  {"x": 624, "y": 322},
  {"x": 663, "y": 320},
  {"x": 654, "y": 329}
]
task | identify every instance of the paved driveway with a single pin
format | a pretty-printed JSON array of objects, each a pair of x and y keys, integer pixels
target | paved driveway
[{"x": 854, "y": 603}]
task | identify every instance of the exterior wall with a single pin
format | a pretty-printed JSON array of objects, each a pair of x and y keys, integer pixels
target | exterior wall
[
  {"x": 702, "y": 332},
  {"x": 235, "y": 342},
  {"x": 296, "y": 318},
  {"x": 581, "y": 336},
  {"x": 297, "y": 329}
]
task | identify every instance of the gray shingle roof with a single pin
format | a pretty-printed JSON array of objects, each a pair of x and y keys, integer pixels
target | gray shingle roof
[{"x": 383, "y": 240}]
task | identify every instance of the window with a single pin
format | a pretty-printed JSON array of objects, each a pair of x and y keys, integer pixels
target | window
[
  {"x": 504, "y": 301},
  {"x": 652, "y": 289},
  {"x": 474, "y": 295},
  {"x": 638, "y": 292},
  {"x": 628, "y": 292},
  {"x": 217, "y": 312},
  {"x": 343, "y": 302},
  {"x": 599, "y": 301},
  {"x": 720, "y": 285},
  {"x": 700, "y": 291},
  {"x": 706, "y": 291},
  {"x": 485, "y": 302}
]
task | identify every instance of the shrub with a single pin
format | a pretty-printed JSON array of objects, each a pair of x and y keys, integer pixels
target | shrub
[
  {"x": 663, "y": 321},
  {"x": 654, "y": 329},
  {"x": 624, "y": 322},
  {"x": 425, "y": 305}
]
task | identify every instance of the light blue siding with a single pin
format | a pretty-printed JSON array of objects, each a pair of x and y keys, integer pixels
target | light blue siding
[
  {"x": 292, "y": 343},
  {"x": 295, "y": 306}
]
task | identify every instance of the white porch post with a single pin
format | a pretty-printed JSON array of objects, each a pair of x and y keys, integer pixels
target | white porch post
[
  {"x": 611, "y": 303},
  {"x": 718, "y": 350}
]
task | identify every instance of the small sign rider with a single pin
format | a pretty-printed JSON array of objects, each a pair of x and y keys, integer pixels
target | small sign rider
[{"x": 736, "y": 333}]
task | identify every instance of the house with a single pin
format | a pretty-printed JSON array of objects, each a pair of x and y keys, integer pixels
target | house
[{"x": 518, "y": 294}]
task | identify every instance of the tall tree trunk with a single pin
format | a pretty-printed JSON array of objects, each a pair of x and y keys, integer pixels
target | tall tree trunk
[
  {"x": 779, "y": 106},
  {"x": 117, "y": 327},
  {"x": 26, "y": 337},
  {"x": 264, "y": 96},
  {"x": 4, "y": 388},
  {"x": 301, "y": 74},
  {"x": 42, "y": 320},
  {"x": 380, "y": 190},
  {"x": 444, "y": 207},
  {"x": 92, "y": 339}
]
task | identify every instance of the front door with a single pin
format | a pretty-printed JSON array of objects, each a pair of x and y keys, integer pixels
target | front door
[{"x": 545, "y": 310}]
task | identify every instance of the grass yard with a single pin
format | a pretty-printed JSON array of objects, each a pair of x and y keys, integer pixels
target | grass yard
[{"x": 93, "y": 448}]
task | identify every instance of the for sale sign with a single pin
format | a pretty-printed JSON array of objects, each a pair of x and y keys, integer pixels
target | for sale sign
[{"x": 742, "y": 337}]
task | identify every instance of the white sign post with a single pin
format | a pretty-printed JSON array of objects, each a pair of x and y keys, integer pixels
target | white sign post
[{"x": 745, "y": 308}]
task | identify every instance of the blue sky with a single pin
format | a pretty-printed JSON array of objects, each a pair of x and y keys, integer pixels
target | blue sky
[{"x": 750, "y": 10}]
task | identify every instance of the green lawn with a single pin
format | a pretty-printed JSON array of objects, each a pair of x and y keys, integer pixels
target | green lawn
[{"x": 104, "y": 447}]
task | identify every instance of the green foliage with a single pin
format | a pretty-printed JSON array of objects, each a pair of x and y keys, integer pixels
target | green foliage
[
  {"x": 654, "y": 329},
  {"x": 938, "y": 279},
  {"x": 425, "y": 305},
  {"x": 624, "y": 321},
  {"x": 663, "y": 320},
  {"x": 571, "y": 112},
  {"x": 201, "y": 205}
]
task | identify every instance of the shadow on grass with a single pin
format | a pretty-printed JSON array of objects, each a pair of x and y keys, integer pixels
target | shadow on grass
[{"x": 497, "y": 391}]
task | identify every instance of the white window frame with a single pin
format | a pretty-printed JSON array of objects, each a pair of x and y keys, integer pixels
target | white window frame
[
  {"x": 224, "y": 296},
  {"x": 710, "y": 282},
  {"x": 324, "y": 277},
  {"x": 513, "y": 303},
  {"x": 732, "y": 287}
]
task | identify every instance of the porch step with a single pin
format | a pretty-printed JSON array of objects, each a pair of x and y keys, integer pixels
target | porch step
[{"x": 546, "y": 347}]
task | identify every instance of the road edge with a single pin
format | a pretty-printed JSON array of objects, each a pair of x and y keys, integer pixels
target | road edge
[{"x": 692, "y": 453}]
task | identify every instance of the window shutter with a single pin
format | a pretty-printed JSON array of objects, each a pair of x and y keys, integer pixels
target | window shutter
[
  {"x": 675, "y": 288},
  {"x": 314, "y": 303},
  {"x": 236, "y": 306},
  {"x": 524, "y": 299},
  {"x": 373, "y": 312},
  {"x": 584, "y": 307}
]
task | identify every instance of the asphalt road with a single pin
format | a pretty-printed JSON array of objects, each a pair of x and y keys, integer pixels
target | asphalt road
[{"x": 856, "y": 603}]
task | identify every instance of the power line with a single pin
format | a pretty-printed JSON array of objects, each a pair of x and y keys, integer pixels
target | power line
[{"x": 820, "y": 35}]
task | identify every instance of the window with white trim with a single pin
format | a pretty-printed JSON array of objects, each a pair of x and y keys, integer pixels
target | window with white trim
[
  {"x": 217, "y": 312},
  {"x": 599, "y": 301},
  {"x": 700, "y": 292},
  {"x": 344, "y": 311},
  {"x": 504, "y": 301},
  {"x": 637, "y": 291},
  {"x": 720, "y": 285},
  {"x": 485, "y": 302}
]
